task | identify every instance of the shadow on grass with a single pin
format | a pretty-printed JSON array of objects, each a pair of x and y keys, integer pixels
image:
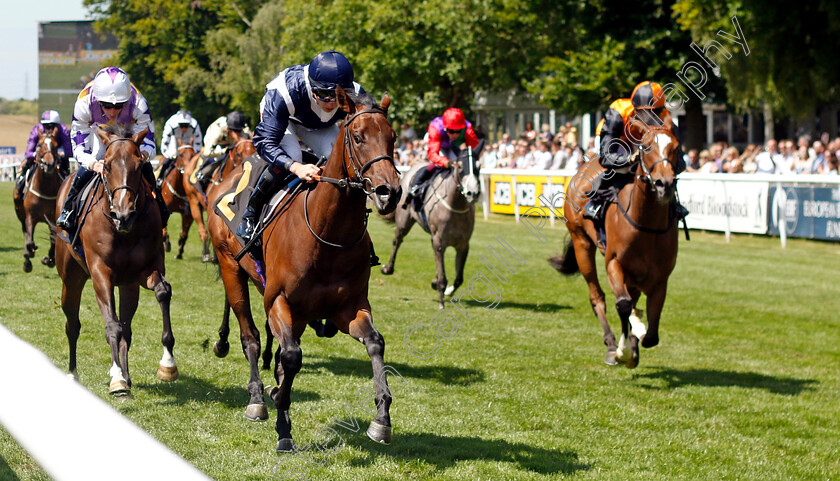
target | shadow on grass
[
  {"x": 6, "y": 472},
  {"x": 447, "y": 375},
  {"x": 541, "y": 307},
  {"x": 191, "y": 389},
  {"x": 447, "y": 451},
  {"x": 712, "y": 378}
]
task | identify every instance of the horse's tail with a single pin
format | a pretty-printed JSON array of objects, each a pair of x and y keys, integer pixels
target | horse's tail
[{"x": 567, "y": 263}]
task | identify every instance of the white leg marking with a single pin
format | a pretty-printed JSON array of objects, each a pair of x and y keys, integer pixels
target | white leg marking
[
  {"x": 116, "y": 373},
  {"x": 449, "y": 290},
  {"x": 167, "y": 360}
]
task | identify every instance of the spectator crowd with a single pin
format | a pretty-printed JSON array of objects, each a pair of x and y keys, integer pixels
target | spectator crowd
[{"x": 544, "y": 150}]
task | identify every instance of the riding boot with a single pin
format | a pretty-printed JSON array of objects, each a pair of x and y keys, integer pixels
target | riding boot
[
  {"x": 67, "y": 219},
  {"x": 206, "y": 170},
  {"x": 164, "y": 171},
  {"x": 417, "y": 185},
  {"x": 680, "y": 212},
  {"x": 148, "y": 173},
  {"x": 263, "y": 191},
  {"x": 20, "y": 182}
]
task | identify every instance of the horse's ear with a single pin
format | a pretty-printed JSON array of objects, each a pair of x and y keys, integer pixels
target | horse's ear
[
  {"x": 344, "y": 101},
  {"x": 138, "y": 138},
  {"x": 385, "y": 103},
  {"x": 103, "y": 134}
]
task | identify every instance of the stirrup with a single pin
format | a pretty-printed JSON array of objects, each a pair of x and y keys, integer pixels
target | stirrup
[{"x": 65, "y": 220}]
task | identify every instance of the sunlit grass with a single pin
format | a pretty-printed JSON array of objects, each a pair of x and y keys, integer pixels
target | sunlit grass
[{"x": 743, "y": 386}]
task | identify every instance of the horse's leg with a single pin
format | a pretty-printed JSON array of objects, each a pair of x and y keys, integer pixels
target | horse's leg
[
  {"x": 222, "y": 346},
  {"x": 49, "y": 261},
  {"x": 460, "y": 262},
  {"x": 637, "y": 327},
  {"x": 129, "y": 295},
  {"x": 269, "y": 339},
  {"x": 74, "y": 279},
  {"x": 584, "y": 251},
  {"x": 29, "y": 246},
  {"x": 236, "y": 289},
  {"x": 186, "y": 222},
  {"x": 288, "y": 359},
  {"x": 440, "y": 281},
  {"x": 101, "y": 277},
  {"x": 167, "y": 367},
  {"x": 166, "y": 244},
  {"x": 628, "y": 346},
  {"x": 655, "y": 301},
  {"x": 360, "y": 327},
  {"x": 195, "y": 212},
  {"x": 404, "y": 222}
]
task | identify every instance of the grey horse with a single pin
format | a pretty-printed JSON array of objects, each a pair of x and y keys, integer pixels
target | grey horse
[{"x": 448, "y": 215}]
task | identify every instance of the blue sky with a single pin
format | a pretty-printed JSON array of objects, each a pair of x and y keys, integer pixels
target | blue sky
[{"x": 19, "y": 41}]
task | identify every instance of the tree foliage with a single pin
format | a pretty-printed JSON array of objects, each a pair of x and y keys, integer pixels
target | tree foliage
[{"x": 793, "y": 63}]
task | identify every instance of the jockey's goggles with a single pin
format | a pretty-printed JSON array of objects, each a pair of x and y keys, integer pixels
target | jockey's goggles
[
  {"x": 324, "y": 95},
  {"x": 184, "y": 125},
  {"x": 48, "y": 127},
  {"x": 454, "y": 131},
  {"x": 110, "y": 106}
]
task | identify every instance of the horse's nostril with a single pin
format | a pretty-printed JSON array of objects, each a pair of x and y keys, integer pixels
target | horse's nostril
[{"x": 383, "y": 191}]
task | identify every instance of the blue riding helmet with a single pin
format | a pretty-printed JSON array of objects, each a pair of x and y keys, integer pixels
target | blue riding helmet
[{"x": 330, "y": 69}]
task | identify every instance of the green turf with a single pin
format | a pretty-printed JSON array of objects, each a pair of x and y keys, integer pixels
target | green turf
[{"x": 744, "y": 384}]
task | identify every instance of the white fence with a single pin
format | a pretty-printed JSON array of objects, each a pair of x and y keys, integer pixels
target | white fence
[{"x": 71, "y": 433}]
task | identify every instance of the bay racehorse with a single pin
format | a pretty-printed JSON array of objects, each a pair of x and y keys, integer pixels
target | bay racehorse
[
  {"x": 641, "y": 249},
  {"x": 175, "y": 195},
  {"x": 448, "y": 214},
  {"x": 317, "y": 261},
  {"x": 38, "y": 202},
  {"x": 120, "y": 245}
]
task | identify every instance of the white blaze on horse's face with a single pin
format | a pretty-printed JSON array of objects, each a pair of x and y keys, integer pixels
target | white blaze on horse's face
[{"x": 472, "y": 188}]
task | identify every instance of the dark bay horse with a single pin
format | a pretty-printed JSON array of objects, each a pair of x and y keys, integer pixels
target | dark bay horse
[
  {"x": 38, "y": 202},
  {"x": 121, "y": 246},
  {"x": 449, "y": 208},
  {"x": 641, "y": 249},
  {"x": 175, "y": 195},
  {"x": 318, "y": 261}
]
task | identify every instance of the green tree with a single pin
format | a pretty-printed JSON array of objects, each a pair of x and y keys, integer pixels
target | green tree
[{"x": 792, "y": 66}]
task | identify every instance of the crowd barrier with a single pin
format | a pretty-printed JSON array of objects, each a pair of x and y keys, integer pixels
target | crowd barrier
[
  {"x": 77, "y": 436},
  {"x": 808, "y": 206}
]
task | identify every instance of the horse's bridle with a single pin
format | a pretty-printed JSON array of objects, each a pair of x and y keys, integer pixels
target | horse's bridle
[
  {"x": 365, "y": 184},
  {"x": 110, "y": 193},
  {"x": 40, "y": 155},
  {"x": 357, "y": 181},
  {"x": 647, "y": 178}
]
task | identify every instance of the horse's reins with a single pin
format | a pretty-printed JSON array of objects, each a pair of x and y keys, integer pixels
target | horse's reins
[
  {"x": 110, "y": 193},
  {"x": 44, "y": 168},
  {"x": 647, "y": 178},
  {"x": 365, "y": 184}
]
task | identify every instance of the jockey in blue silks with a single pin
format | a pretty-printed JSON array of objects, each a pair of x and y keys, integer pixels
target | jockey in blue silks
[{"x": 300, "y": 103}]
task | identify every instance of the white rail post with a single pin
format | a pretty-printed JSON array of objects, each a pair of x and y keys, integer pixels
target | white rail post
[
  {"x": 515, "y": 197},
  {"x": 485, "y": 195},
  {"x": 781, "y": 204}
]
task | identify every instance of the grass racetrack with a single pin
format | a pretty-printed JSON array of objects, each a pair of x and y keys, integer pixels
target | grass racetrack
[{"x": 744, "y": 384}]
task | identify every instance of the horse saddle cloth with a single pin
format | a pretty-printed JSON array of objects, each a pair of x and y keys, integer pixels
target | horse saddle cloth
[{"x": 232, "y": 204}]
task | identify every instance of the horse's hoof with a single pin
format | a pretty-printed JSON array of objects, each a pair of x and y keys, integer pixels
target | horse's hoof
[
  {"x": 386, "y": 270},
  {"x": 179, "y": 256},
  {"x": 167, "y": 246},
  {"x": 449, "y": 290},
  {"x": 256, "y": 412},
  {"x": 650, "y": 340},
  {"x": 286, "y": 445},
  {"x": 379, "y": 433},
  {"x": 609, "y": 359},
  {"x": 119, "y": 388},
  {"x": 221, "y": 349},
  {"x": 434, "y": 285},
  {"x": 167, "y": 373},
  {"x": 73, "y": 375},
  {"x": 206, "y": 258},
  {"x": 48, "y": 261},
  {"x": 27, "y": 266}
]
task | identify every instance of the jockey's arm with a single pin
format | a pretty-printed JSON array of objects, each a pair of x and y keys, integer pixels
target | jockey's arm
[
  {"x": 470, "y": 138},
  {"x": 32, "y": 143},
  {"x": 434, "y": 148},
  {"x": 213, "y": 140},
  {"x": 143, "y": 120},
  {"x": 270, "y": 131},
  {"x": 80, "y": 133},
  {"x": 614, "y": 152}
]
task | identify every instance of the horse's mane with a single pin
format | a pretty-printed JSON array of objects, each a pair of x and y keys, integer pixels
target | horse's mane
[
  {"x": 362, "y": 98},
  {"x": 122, "y": 131}
]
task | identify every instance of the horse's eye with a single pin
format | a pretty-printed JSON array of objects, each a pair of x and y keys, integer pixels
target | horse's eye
[{"x": 357, "y": 139}]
